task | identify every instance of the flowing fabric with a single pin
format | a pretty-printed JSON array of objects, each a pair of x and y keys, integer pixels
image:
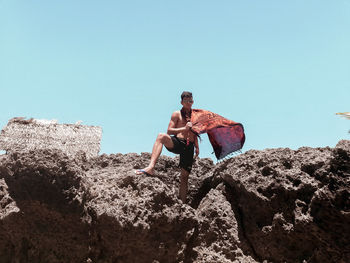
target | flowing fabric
[{"x": 225, "y": 136}]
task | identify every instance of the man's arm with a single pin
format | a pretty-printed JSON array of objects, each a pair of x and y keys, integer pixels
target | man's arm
[
  {"x": 196, "y": 146},
  {"x": 172, "y": 125}
]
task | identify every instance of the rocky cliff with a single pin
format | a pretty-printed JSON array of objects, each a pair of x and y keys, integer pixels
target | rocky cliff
[{"x": 276, "y": 205}]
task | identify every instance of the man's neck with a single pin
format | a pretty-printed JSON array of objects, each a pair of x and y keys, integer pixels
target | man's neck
[
  {"x": 186, "y": 109},
  {"x": 186, "y": 113}
]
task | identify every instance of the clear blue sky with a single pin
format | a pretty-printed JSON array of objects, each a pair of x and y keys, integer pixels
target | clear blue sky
[{"x": 281, "y": 68}]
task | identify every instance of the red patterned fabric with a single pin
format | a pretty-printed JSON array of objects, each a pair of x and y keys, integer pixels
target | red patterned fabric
[{"x": 225, "y": 136}]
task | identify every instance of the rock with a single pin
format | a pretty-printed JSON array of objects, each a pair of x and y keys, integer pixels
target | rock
[
  {"x": 292, "y": 205},
  {"x": 276, "y": 205},
  {"x": 45, "y": 223},
  {"x": 217, "y": 237},
  {"x": 135, "y": 218}
]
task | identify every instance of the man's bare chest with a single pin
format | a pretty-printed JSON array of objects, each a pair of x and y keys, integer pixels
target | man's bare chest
[{"x": 181, "y": 122}]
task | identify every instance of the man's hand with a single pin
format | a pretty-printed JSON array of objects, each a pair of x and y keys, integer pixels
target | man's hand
[
  {"x": 188, "y": 126},
  {"x": 197, "y": 153}
]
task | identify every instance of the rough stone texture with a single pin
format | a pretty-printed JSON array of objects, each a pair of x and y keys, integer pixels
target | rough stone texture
[
  {"x": 22, "y": 135},
  {"x": 292, "y": 205},
  {"x": 276, "y": 205},
  {"x": 44, "y": 221},
  {"x": 217, "y": 237}
]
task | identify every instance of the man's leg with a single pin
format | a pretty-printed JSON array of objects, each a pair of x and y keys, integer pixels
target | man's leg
[
  {"x": 162, "y": 139},
  {"x": 186, "y": 161},
  {"x": 183, "y": 185}
]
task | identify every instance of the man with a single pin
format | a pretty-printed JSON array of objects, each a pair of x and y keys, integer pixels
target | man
[{"x": 179, "y": 140}]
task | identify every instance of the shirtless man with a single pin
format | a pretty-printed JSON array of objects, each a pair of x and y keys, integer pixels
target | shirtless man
[{"x": 179, "y": 139}]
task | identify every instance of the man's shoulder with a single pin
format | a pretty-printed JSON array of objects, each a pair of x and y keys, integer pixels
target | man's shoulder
[{"x": 176, "y": 114}]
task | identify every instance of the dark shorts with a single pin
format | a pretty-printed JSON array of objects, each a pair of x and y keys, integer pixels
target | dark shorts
[{"x": 186, "y": 152}]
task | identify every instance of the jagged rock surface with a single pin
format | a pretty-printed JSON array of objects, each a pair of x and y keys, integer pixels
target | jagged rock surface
[
  {"x": 292, "y": 205},
  {"x": 276, "y": 205}
]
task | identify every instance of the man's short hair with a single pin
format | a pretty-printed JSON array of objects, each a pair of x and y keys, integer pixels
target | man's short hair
[{"x": 186, "y": 94}]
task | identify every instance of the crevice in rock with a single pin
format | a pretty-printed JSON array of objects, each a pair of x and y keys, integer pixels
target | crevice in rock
[
  {"x": 245, "y": 244},
  {"x": 189, "y": 253},
  {"x": 23, "y": 254},
  {"x": 207, "y": 184},
  {"x": 211, "y": 182}
]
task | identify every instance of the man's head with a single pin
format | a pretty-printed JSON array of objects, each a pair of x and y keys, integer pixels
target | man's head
[{"x": 186, "y": 99}]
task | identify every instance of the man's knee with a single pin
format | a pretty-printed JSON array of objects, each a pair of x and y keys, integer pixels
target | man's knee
[{"x": 162, "y": 137}]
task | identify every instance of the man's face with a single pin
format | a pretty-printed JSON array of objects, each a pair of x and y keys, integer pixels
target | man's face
[{"x": 187, "y": 102}]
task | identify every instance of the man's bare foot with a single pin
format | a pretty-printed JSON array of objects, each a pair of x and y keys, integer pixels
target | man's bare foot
[{"x": 146, "y": 171}]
